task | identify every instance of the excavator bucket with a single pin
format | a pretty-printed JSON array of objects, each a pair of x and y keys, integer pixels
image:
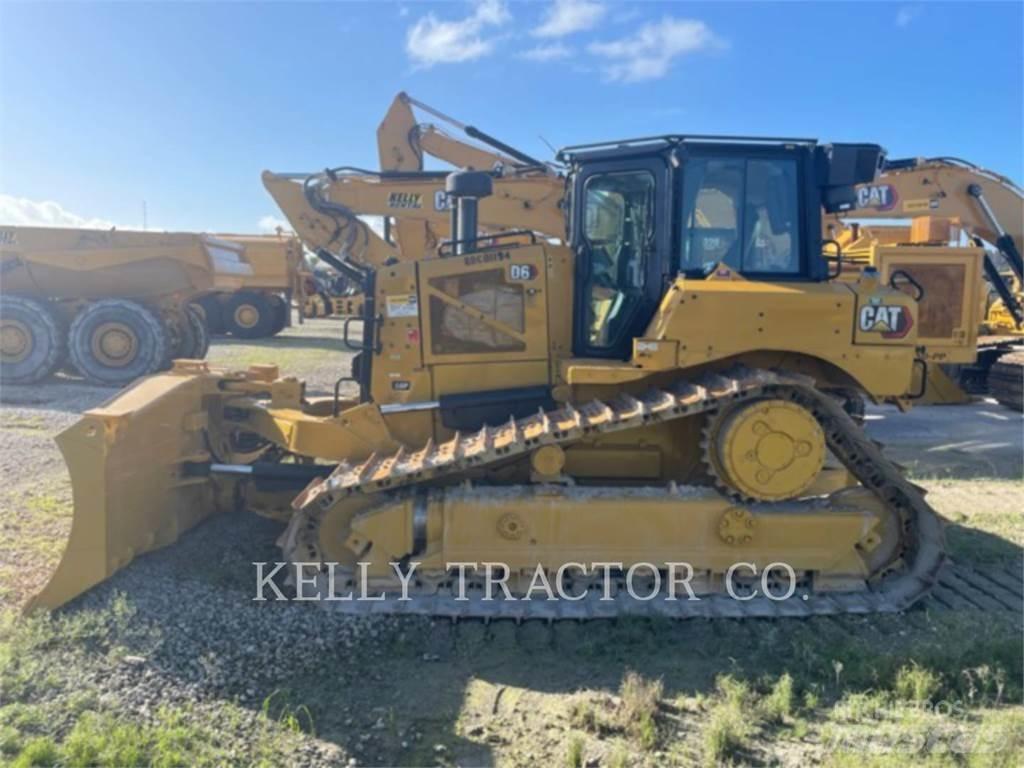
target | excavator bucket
[{"x": 132, "y": 493}]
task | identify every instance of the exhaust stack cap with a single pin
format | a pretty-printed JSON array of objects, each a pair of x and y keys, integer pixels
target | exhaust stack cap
[{"x": 469, "y": 184}]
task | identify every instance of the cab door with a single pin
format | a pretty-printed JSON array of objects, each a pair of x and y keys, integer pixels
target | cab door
[{"x": 621, "y": 235}]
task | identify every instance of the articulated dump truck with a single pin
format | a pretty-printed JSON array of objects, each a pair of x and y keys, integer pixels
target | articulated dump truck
[
  {"x": 114, "y": 305},
  {"x": 262, "y": 306},
  {"x": 675, "y": 380}
]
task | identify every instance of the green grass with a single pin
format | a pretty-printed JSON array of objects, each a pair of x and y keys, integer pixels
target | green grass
[
  {"x": 917, "y": 684},
  {"x": 51, "y": 719},
  {"x": 38, "y": 751},
  {"x": 574, "y": 755},
  {"x": 293, "y": 718},
  {"x": 22, "y": 423},
  {"x": 778, "y": 705},
  {"x": 639, "y": 709}
]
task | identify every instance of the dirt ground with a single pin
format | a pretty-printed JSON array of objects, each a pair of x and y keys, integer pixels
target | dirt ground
[{"x": 175, "y": 647}]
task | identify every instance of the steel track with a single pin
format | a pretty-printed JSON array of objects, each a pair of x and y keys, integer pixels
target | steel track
[{"x": 905, "y": 581}]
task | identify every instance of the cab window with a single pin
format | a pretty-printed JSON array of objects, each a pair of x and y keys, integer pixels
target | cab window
[{"x": 743, "y": 212}]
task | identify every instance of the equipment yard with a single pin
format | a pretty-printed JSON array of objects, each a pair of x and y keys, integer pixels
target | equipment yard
[{"x": 171, "y": 661}]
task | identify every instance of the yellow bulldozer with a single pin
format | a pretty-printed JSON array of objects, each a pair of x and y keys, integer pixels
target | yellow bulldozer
[
  {"x": 115, "y": 305},
  {"x": 657, "y": 368}
]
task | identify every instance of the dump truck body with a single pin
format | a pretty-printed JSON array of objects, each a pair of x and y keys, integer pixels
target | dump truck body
[
  {"x": 72, "y": 264},
  {"x": 115, "y": 302}
]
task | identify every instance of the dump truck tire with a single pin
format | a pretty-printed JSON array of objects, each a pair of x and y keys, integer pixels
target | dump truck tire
[
  {"x": 193, "y": 340},
  {"x": 182, "y": 336},
  {"x": 213, "y": 313},
  {"x": 249, "y": 315},
  {"x": 201, "y": 332},
  {"x": 115, "y": 341},
  {"x": 281, "y": 310},
  {"x": 32, "y": 340},
  {"x": 1006, "y": 381}
]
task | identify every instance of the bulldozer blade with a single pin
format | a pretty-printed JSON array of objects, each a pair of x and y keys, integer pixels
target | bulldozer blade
[{"x": 130, "y": 485}]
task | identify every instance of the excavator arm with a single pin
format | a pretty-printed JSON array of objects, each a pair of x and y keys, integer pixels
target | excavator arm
[{"x": 403, "y": 141}]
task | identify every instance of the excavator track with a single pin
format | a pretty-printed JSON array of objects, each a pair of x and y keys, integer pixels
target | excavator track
[
  {"x": 908, "y": 578},
  {"x": 1006, "y": 380}
]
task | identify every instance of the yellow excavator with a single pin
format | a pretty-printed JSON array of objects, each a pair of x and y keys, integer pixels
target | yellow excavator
[
  {"x": 917, "y": 204},
  {"x": 667, "y": 382}
]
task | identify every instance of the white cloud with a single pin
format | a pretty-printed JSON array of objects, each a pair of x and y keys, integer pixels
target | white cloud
[
  {"x": 546, "y": 52},
  {"x": 649, "y": 52},
  {"x": 431, "y": 41},
  {"x": 907, "y": 14},
  {"x": 564, "y": 17},
  {"x": 22, "y": 212},
  {"x": 270, "y": 224}
]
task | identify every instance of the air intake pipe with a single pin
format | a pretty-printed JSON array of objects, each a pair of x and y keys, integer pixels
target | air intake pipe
[{"x": 465, "y": 188}]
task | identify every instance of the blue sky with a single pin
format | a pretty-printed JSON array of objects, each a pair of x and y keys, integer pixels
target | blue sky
[{"x": 104, "y": 106}]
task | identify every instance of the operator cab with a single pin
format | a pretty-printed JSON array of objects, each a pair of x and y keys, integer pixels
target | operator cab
[{"x": 647, "y": 210}]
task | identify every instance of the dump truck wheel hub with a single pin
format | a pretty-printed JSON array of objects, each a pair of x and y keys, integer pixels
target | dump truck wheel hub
[
  {"x": 15, "y": 341},
  {"x": 247, "y": 316},
  {"x": 768, "y": 450},
  {"x": 114, "y": 344}
]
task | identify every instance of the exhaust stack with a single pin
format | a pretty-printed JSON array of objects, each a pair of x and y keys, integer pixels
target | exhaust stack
[{"x": 465, "y": 189}]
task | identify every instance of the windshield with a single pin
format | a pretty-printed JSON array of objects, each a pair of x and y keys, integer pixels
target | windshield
[{"x": 741, "y": 212}]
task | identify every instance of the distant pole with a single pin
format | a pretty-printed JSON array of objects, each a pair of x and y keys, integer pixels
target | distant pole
[{"x": 144, "y": 222}]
